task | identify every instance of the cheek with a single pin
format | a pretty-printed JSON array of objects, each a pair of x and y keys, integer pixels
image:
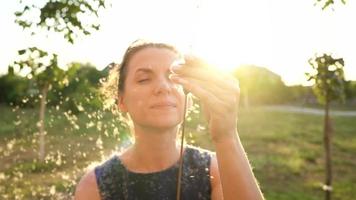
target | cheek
[
  {"x": 134, "y": 98},
  {"x": 140, "y": 103}
]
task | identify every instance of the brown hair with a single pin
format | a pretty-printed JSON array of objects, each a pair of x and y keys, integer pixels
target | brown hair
[{"x": 114, "y": 85}]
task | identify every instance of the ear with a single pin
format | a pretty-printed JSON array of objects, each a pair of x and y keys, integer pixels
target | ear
[{"x": 121, "y": 104}]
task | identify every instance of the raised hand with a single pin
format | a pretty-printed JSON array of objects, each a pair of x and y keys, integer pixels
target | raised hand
[{"x": 219, "y": 93}]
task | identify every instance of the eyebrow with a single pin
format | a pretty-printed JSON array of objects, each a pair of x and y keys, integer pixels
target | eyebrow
[{"x": 144, "y": 70}]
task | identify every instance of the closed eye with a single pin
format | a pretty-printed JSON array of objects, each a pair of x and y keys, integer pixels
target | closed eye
[{"x": 143, "y": 80}]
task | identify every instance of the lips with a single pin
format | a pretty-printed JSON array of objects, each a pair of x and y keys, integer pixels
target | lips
[{"x": 165, "y": 104}]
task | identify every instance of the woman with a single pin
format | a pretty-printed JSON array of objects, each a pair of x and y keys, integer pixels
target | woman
[{"x": 154, "y": 99}]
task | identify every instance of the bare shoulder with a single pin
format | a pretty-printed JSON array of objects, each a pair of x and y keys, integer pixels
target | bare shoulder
[{"x": 87, "y": 188}]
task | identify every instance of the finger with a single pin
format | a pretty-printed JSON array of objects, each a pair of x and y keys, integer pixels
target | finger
[
  {"x": 218, "y": 92},
  {"x": 215, "y": 104},
  {"x": 209, "y": 75}
]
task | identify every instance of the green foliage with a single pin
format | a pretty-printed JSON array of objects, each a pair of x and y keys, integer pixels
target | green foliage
[
  {"x": 300, "y": 94},
  {"x": 13, "y": 89},
  {"x": 69, "y": 17},
  {"x": 75, "y": 89},
  {"x": 15, "y": 123},
  {"x": 261, "y": 85},
  {"x": 350, "y": 89},
  {"x": 42, "y": 66},
  {"x": 328, "y": 77},
  {"x": 33, "y": 167},
  {"x": 328, "y": 3},
  {"x": 82, "y": 88}
]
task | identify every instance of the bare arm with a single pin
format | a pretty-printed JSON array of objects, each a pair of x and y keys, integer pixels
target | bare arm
[
  {"x": 231, "y": 173},
  {"x": 87, "y": 189},
  {"x": 219, "y": 94},
  {"x": 237, "y": 179}
]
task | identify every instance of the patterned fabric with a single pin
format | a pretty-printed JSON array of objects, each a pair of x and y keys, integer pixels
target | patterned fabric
[{"x": 115, "y": 182}]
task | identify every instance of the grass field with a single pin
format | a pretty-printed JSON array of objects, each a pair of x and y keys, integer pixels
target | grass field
[{"x": 285, "y": 151}]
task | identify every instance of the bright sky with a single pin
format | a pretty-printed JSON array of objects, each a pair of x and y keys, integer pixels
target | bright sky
[{"x": 279, "y": 35}]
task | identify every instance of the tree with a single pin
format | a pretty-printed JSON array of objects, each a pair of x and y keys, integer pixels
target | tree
[
  {"x": 260, "y": 86},
  {"x": 350, "y": 90},
  {"x": 82, "y": 90},
  {"x": 13, "y": 88},
  {"x": 69, "y": 17},
  {"x": 329, "y": 81},
  {"x": 44, "y": 71}
]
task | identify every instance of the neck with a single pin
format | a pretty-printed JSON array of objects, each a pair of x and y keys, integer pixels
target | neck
[{"x": 154, "y": 149}]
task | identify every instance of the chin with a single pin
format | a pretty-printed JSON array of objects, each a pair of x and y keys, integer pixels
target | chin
[
  {"x": 165, "y": 122},
  {"x": 159, "y": 120}
]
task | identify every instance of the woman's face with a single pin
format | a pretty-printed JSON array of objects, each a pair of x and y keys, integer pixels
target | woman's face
[{"x": 149, "y": 96}]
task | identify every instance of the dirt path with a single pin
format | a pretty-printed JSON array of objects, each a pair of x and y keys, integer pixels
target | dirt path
[{"x": 312, "y": 111}]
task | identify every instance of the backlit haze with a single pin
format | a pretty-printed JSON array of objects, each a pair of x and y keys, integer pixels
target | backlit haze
[{"x": 279, "y": 35}]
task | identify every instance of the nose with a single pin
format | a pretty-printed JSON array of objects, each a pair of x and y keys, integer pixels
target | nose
[{"x": 164, "y": 85}]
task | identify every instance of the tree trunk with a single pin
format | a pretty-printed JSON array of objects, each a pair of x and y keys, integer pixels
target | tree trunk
[
  {"x": 41, "y": 125},
  {"x": 327, "y": 145}
]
